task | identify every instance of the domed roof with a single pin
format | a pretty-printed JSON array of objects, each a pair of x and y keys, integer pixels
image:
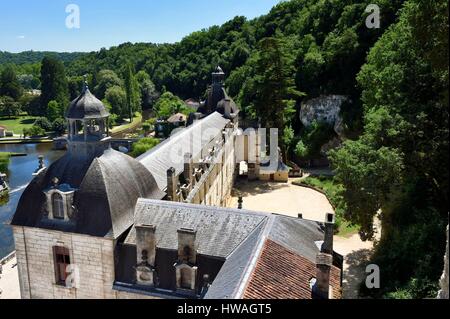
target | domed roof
[
  {"x": 106, "y": 192},
  {"x": 86, "y": 106},
  {"x": 218, "y": 70},
  {"x": 228, "y": 108}
]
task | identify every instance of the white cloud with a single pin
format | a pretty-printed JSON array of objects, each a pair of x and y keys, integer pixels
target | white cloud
[{"x": 21, "y": 37}]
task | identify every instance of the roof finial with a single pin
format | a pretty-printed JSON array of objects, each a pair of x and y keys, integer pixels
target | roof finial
[{"x": 85, "y": 83}]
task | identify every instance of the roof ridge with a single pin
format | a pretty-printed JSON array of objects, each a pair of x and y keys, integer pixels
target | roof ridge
[
  {"x": 251, "y": 265},
  {"x": 218, "y": 210}
]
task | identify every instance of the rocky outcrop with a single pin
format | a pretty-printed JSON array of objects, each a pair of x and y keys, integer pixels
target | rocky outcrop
[
  {"x": 443, "y": 293},
  {"x": 325, "y": 108}
]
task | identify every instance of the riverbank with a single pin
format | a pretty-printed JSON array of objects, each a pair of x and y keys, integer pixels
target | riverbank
[{"x": 18, "y": 140}]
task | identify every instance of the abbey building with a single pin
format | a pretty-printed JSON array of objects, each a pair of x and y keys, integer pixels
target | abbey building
[{"x": 100, "y": 224}]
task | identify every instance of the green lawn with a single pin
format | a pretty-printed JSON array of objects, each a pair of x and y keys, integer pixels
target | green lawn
[
  {"x": 331, "y": 189},
  {"x": 17, "y": 124},
  {"x": 126, "y": 126}
]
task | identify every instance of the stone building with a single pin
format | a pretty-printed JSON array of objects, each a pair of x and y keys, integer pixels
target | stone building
[{"x": 100, "y": 224}]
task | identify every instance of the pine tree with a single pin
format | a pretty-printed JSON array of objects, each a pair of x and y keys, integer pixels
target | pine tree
[
  {"x": 53, "y": 84},
  {"x": 274, "y": 86},
  {"x": 132, "y": 91}
]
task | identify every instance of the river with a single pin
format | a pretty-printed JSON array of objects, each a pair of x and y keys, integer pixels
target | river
[{"x": 20, "y": 173}]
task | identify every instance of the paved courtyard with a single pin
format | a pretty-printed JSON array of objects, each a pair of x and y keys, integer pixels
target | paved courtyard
[{"x": 281, "y": 198}]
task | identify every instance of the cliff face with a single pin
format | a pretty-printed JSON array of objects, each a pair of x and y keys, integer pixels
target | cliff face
[
  {"x": 325, "y": 108},
  {"x": 443, "y": 293}
]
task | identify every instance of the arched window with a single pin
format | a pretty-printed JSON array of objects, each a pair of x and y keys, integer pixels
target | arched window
[{"x": 57, "y": 206}]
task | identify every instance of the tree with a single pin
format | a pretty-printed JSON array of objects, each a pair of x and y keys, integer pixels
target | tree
[
  {"x": 53, "y": 84},
  {"x": 75, "y": 85},
  {"x": 53, "y": 111},
  {"x": 149, "y": 95},
  {"x": 9, "y": 84},
  {"x": 132, "y": 92},
  {"x": 143, "y": 145},
  {"x": 43, "y": 123},
  {"x": 169, "y": 104},
  {"x": 9, "y": 107},
  {"x": 59, "y": 126},
  {"x": 274, "y": 86},
  {"x": 33, "y": 131},
  {"x": 106, "y": 79},
  {"x": 395, "y": 169},
  {"x": 117, "y": 99}
]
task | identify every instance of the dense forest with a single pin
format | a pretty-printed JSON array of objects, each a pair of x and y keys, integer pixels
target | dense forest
[
  {"x": 394, "y": 162},
  {"x": 30, "y": 57}
]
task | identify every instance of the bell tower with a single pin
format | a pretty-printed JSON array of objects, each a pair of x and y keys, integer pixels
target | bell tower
[{"x": 87, "y": 120}]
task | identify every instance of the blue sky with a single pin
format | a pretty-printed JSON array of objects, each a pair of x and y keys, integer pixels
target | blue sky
[{"x": 40, "y": 25}]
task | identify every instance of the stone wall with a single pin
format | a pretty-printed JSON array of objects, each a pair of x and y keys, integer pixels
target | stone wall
[
  {"x": 93, "y": 256},
  {"x": 214, "y": 189}
]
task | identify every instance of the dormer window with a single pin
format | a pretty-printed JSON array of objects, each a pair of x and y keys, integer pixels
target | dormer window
[
  {"x": 60, "y": 201},
  {"x": 57, "y": 206},
  {"x": 185, "y": 268}
]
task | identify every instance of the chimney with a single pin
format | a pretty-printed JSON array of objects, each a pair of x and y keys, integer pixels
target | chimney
[
  {"x": 321, "y": 288},
  {"x": 327, "y": 246},
  {"x": 187, "y": 251},
  {"x": 172, "y": 185},
  {"x": 145, "y": 253},
  {"x": 189, "y": 170},
  {"x": 324, "y": 261}
]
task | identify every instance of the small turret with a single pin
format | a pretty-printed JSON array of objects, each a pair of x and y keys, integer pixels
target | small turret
[{"x": 87, "y": 119}]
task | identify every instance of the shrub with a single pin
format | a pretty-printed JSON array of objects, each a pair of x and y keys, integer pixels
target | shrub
[
  {"x": 59, "y": 126},
  {"x": 113, "y": 118},
  {"x": 34, "y": 131},
  {"x": 43, "y": 123},
  {"x": 143, "y": 146}
]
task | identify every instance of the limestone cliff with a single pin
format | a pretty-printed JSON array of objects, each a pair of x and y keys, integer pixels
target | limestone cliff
[{"x": 325, "y": 108}]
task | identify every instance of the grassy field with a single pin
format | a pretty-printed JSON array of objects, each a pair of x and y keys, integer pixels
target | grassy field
[
  {"x": 118, "y": 129},
  {"x": 17, "y": 124},
  {"x": 331, "y": 190}
]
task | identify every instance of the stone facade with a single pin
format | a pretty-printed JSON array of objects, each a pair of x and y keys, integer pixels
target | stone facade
[
  {"x": 215, "y": 184},
  {"x": 94, "y": 257}
]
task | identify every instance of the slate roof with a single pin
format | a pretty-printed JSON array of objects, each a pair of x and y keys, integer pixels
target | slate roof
[
  {"x": 107, "y": 191},
  {"x": 219, "y": 231},
  {"x": 264, "y": 255},
  {"x": 170, "y": 153},
  {"x": 86, "y": 106}
]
